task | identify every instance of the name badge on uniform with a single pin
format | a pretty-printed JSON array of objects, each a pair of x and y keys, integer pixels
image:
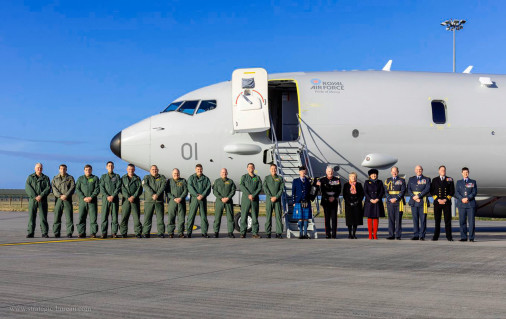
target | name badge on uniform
[
  {"x": 113, "y": 179},
  {"x": 276, "y": 179},
  {"x": 90, "y": 180},
  {"x": 179, "y": 184},
  {"x": 227, "y": 183}
]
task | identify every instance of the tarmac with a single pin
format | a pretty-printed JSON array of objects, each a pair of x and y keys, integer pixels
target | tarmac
[{"x": 252, "y": 278}]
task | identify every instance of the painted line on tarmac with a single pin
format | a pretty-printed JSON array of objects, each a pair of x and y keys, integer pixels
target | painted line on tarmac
[{"x": 52, "y": 241}]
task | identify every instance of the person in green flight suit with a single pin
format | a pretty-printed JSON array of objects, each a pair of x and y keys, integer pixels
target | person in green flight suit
[
  {"x": 64, "y": 187},
  {"x": 37, "y": 187},
  {"x": 199, "y": 187},
  {"x": 273, "y": 189},
  {"x": 154, "y": 186},
  {"x": 177, "y": 190},
  {"x": 110, "y": 187},
  {"x": 131, "y": 190},
  {"x": 88, "y": 188},
  {"x": 251, "y": 186},
  {"x": 224, "y": 189}
]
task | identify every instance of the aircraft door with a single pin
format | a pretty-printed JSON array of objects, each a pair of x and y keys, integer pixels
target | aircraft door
[{"x": 250, "y": 100}]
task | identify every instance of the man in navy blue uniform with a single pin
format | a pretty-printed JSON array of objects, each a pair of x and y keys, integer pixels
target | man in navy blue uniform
[
  {"x": 395, "y": 187},
  {"x": 418, "y": 190},
  {"x": 464, "y": 194},
  {"x": 301, "y": 189},
  {"x": 442, "y": 190}
]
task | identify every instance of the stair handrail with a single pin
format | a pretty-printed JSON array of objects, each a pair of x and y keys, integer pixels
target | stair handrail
[{"x": 305, "y": 154}]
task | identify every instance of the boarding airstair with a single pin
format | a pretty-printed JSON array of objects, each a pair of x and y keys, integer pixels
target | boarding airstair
[{"x": 288, "y": 158}]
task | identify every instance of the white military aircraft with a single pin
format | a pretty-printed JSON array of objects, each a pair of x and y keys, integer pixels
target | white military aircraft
[{"x": 353, "y": 121}]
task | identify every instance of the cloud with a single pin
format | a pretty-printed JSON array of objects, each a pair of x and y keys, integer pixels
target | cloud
[
  {"x": 55, "y": 157},
  {"x": 13, "y": 138}
]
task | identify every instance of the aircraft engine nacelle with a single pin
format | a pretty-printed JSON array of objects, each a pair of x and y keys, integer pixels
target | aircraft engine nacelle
[{"x": 493, "y": 207}]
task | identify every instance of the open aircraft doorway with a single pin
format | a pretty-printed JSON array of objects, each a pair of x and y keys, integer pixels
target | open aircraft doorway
[{"x": 283, "y": 109}]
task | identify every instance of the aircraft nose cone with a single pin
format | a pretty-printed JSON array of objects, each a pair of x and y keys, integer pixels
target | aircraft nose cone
[{"x": 116, "y": 145}]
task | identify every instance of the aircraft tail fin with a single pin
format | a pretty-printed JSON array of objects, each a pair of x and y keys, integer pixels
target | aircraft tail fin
[
  {"x": 468, "y": 69},
  {"x": 387, "y": 66}
]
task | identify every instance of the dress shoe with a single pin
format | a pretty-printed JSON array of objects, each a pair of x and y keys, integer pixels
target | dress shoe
[
  {"x": 69, "y": 236},
  {"x": 256, "y": 236},
  {"x": 171, "y": 235},
  {"x": 45, "y": 236},
  {"x": 422, "y": 239},
  {"x": 123, "y": 236},
  {"x": 146, "y": 236},
  {"x": 138, "y": 236},
  {"x": 81, "y": 236},
  {"x": 57, "y": 236},
  {"x": 471, "y": 240},
  {"x": 161, "y": 236},
  {"x": 449, "y": 239},
  {"x": 350, "y": 237},
  {"x": 268, "y": 236},
  {"x": 114, "y": 236},
  {"x": 328, "y": 237},
  {"x": 415, "y": 238},
  {"x": 309, "y": 237},
  {"x": 391, "y": 238},
  {"x": 29, "y": 236},
  {"x": 355, "y": 237},
  {"x": 462, "y": 239},
  {"x": 205, "y": 235},
  {"x": 434, "y": 239},
  {"x": 103, "y": 236},
  {"x": 189, "y": 236},
  {"x": 398, "y": 238},
  {"x": 302, "y": 237},
  {"x": 279, "y": 236},
  {"x": 216, "y": 235},
  {"x": 231, "y": 235},
  {"x": 243, "y": 236},
  {"x": 93, "y": 236},
  {"x": 181, "y": 235}
]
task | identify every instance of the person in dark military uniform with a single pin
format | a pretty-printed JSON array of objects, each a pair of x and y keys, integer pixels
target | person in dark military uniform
[
  {"x": 442, "y": 189},
  {"x": 63, "y": 186},
  {"x": 37, "y": 187},
  {"x": 273, "y": 189},
  {"x": 131, "y": 190},
  {"x": 224, "y": 190},
  {"x": 330, "y": 187},
  {"x": 177, "y": 190},
  {"x": 464, "y": 193},
  {"x": 373, "y": 206},
  {"x": 395, "y": 187},
  {"x": 88, "y": 188},
  {"x": 250, "y": 186},
  {"x": 301, "y": 198},
  {"x": 418, "y": 190},
  {"x": 154, "y": 187},
  {"x": 110, "y": 187},
  {"x": 353, "y": 194},
  {"x": 199, "y": 187}
]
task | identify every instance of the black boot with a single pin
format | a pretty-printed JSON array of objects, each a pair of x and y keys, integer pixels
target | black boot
[{"x": 355, "y": 231}]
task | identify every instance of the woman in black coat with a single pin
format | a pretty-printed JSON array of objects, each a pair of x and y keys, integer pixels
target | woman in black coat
[
  {"x": 373, "y": 207},
  {"x": 353, "y": 193}
]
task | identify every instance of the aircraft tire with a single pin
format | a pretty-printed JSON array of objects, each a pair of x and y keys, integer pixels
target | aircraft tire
[{"x": 237, "y": 222}]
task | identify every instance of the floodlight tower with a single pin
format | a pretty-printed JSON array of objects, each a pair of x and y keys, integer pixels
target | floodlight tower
[{"x": 453, "y": 25}]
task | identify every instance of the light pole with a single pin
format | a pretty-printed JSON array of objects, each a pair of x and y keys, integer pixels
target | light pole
[{"x": 453, "y": 25}]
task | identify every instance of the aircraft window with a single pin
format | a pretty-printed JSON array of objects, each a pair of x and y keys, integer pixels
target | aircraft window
[
  {"x": 438, "y": 112},
  {"x": 206, "y": 105},
  {"x": 172, "y": 107},
  {"x": 188, "y": 107}
]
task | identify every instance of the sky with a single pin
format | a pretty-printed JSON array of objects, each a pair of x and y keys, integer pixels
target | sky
[{"x": 75, "y": 73}]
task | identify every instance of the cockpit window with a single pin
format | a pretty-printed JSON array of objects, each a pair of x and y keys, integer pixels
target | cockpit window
[
  {"x": 188, "y": 107},
  {"x": 206, "y": 105},
  {"x": 172, "y": 106}
]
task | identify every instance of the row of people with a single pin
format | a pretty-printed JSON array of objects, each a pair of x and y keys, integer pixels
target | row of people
[
  {"x": 155, "y": 186},
  {"x": 110, "y": 185},
  {"x": 418, "y": 188}
]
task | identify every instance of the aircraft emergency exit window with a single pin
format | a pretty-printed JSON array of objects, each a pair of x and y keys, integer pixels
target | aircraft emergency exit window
[
  {"x": 206, "y": 105},
  {"x": 188, "y": 107},
  {"x": 172, "y": 107},
  {"x": 438, "y": 112}
]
